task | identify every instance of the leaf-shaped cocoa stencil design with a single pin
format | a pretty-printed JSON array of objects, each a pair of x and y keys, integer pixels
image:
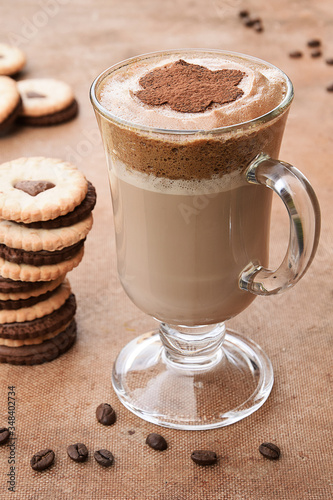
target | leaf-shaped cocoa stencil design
[{"x": 189, "y": 88}]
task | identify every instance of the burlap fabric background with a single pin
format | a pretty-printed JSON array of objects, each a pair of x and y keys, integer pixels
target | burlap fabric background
[{"x": 56, "y": 402}]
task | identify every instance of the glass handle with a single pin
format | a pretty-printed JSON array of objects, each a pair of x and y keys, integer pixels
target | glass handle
[{"x": 304, "y": 215}]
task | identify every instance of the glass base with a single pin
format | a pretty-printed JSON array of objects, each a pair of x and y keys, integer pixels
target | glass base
[{"x": 234, "y": 385}]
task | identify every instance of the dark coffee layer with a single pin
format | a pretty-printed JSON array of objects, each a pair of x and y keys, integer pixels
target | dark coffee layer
[
  {"x": 79, "y": 213},
  {"x": 194, "y": 158},
  {"x": 41, "y": 258}
]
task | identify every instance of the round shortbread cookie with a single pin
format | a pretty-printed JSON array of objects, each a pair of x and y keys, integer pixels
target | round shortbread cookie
[
  {"x": 12, "y": 59},
  {"x": 40, "y": 353},
  {"x": 57, "y": 299},
  {"x": 15, "y": 235},
  {"x": 44, "y": 96},
  {"x": 47, "y": 286},
  {"x": 25, "y": 272},
  {"x": 41, "y": 326},
  {"x": 41, "y": 258},
  {"x": 79, "y": 213},
  {"x": 64, "y": 189},
  {"x": 9, "y": 97}
]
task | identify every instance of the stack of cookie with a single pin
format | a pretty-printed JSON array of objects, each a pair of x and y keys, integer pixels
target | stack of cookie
[{"x": 45, "y": 210}]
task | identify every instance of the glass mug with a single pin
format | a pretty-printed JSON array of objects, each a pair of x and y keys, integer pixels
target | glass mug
[{"x": 193, "y": 252}]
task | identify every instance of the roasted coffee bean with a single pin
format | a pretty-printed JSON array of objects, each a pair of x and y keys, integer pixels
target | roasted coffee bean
[
  {"x": 243, "y": 13},
  {"x": 104, "y": 457},
  {"x": 131, "y": 432},
  {"x": 204, "y": 457},
  {"x": 105, "y": 414},
  {"x": 330, "y": 88},
  {"x": 314, "y": 43},
  {"x": 77, "y": 452},
  {"x": 4, "y": 435},
  {"x": 316, "y": 53},
  {"x": 156, "y": 441},
  {"x": 249, "y": 23},
  {"x": 269, "y": 450},
  {"x": 329, "y": 61},
  {"x": 296, "y": 54},
  {"x": 259, "y": 28},
  {"x": 42, "y": 460}
]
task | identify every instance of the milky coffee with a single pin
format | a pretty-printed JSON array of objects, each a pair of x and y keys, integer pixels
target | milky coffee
[{"x": 187, "y": 222}]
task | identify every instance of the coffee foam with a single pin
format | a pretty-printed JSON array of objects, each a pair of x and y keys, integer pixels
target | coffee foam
[
  {"x": 164, "y": 185},
  {"x": 264, "y": 88}
]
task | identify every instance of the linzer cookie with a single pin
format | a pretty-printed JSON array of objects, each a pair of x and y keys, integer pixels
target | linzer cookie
[
  {"x": 12, "y": 59},
  {"x": 14, "y": 299},
  {"x": 41, "y": 254},
  {"x": 27, "y": 272},
  {"x": 41, "y": 326},
  {"x": 33, "y": 334},
  {"x": 18, "y": 236},
  {"x": 80, "y": 212},
  {"x": 47, "y": 102},
  {"x": 43, "y": 307},
  {"x": 39, "y": 189},
  {"x": 10, "y": 103}
]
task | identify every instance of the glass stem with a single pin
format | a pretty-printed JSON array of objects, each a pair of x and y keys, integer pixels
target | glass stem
[{"x": 194, "y": 348}]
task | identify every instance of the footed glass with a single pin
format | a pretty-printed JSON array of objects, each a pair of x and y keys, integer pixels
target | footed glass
[{"x": 194, "y": 253}]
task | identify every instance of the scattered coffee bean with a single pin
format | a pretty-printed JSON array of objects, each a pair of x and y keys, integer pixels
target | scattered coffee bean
[
  {"x": 244, "y": 13},
  {"x": 329, "y": 61},
  {"x": 4, "y": 435},
  {"x": 105, "y": 414},
  {"x": 204, "y": 457},
  {"x": 269, "y": 450},
  {"x": 104, "y": 457},
  {"x": 77, "y": 452},
  {"x": 314, "y": 43},
  {"x": 131, "y": 432},
  {"x": 156, "y": 441},
  {"x": 296, "y": 54},
  {"x": 259, "y": 28},
  {"x": 330, "y": 88},
  {"x": 42, "y": 460},
  {"x": 316, "y": 53},
  {"x": 249, "y": 23}
]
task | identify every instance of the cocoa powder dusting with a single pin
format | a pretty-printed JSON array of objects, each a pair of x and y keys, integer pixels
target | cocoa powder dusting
[{"x": 189, "y": 88}]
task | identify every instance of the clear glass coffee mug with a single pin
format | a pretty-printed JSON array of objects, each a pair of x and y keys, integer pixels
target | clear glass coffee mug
[{"x": 193, "y": 253}]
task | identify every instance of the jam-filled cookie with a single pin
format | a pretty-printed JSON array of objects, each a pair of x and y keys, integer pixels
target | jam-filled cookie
[{"x": 47, "y": 101}]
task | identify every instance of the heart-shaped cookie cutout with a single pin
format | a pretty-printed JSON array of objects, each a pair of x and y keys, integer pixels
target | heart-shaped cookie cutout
[
  {"x": 33, "y": 188},
  {"x": 31, "y": 94}
]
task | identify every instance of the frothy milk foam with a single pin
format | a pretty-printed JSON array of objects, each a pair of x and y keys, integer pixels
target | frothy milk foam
[{"x": 183, "y": 241}]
